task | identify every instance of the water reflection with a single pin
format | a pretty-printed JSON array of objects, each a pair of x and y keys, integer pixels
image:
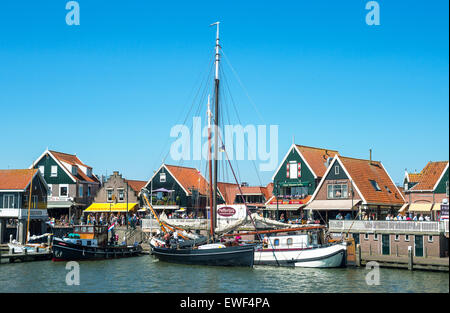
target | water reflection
[{"x": 146, "y": 274}]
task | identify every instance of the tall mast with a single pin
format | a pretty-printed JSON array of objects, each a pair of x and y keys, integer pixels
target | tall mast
[
  {"x": 216, "y": 128},
  {"x": 209, "y": 114}
]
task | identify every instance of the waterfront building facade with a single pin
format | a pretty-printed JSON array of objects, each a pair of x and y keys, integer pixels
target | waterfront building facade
[
  {"x": 430, "y": 191},
  {"x": 118, "y": 195},
  {"x": 297, "y": 177},
  {"x": 356, "y": 187},
  {"x": 14, "y": 203},
  {"x": 72, "y": 183},
  {"x": 176, "y": 188}
]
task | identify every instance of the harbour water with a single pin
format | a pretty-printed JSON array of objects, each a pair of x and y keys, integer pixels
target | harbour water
[{"x": 146, "y": 274}]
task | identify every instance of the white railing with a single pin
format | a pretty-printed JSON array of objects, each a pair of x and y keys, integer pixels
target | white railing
[{"x": 390, "y": 226}]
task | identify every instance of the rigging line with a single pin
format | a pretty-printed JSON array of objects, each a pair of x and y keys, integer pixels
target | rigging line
[
  {"x": 243, "y": 87},
  {"x": 204, "y": 81},
  {"x": 246, "y": 139}
]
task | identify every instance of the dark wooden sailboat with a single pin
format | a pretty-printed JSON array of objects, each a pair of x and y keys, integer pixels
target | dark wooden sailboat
[
  {"x": 213, "y": 253},
  {"x": 89, "y": 242}
]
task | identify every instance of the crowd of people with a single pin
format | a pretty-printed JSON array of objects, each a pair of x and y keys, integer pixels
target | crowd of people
[{"x": 110, "y": 218}]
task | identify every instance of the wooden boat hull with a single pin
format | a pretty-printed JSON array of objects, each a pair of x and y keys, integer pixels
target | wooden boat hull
[
  {"x": 66, "y": 251},
  {"x": 229, "y": 256},
  {"x": 321, "y": 257}
]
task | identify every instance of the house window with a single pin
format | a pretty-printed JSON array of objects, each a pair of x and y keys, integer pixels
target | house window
[
  {"x": 121, "y": 194},
  {"x": 430, "y": 238},
  {"x": 89, "y": 191},
  {"x": 63, "y": 190},
  {"x": 337, "y": 191},
  {"x": 8, "y": 202},
  {"x": 41, "y": 169},
  {"x": 375, "y": 236},
  {"x": 375, "y": 185},
  {"x": 293, "y": 170},
  {"x": 109, "y": 193},
  {"x": 162, "y": 177},
  {"x": 34, "y": 202},
  {"x": 74, "y": 170},
  {"x": 289, "y": 241},
  {"x": 366, "y": 236},
  {"x": 80, "y": 191},
  {"x": 406, "y": 237},
  {"x": 397, "y": 237},
  {"x": 54, "y": 172},
  {"x": 89, "y": 172},
  {"x": 276, "y": 242},
  {"x": 336, "y": 170},
  {"x": 49, "y": 189},
  {"x": 405, "y": 186}
]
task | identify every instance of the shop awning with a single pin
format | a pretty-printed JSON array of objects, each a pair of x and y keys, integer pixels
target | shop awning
[
  {"x": 437, "y": 207},
  {"x": 328, "y": 205},
  {"x": 110, "y": 207},
  {"x": 59, "y": 204},
  {"x": 420, "y": 207}
]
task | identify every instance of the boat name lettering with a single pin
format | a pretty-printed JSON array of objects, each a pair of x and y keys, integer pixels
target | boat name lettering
[{"x": 226, "y": 211}]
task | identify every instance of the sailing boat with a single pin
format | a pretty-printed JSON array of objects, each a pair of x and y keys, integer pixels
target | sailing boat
[{"x": 212, "y": 253}]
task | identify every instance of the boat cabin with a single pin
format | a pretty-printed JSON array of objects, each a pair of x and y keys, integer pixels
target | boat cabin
[
  {"x": 89, "y": 235},
  {"x": 292, "y": 241}
]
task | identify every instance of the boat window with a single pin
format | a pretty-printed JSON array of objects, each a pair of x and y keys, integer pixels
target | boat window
[
  {"x": 276, "y": 242},
  {"x": 84, "y": 229},
  {"x": 76, "y": 229},
  {"x": 90, "y": 229},
  {"x": 289, "y": 241}
]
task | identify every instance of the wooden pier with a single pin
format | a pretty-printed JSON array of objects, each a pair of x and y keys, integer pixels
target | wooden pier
[{"x": 7, "y": 256}]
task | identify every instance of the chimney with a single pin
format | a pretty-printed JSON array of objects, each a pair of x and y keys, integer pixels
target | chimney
[
  {"x": 116, "y": 173},
  {"x": 370, "y": 156}
]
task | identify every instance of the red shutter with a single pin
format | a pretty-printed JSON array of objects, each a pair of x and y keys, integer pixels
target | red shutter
[
  {"x": 299, "y": 167},
  {"x": 287, "y": 170}
]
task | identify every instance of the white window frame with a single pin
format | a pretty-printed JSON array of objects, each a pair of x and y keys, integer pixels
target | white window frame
[
  {"x": 121, "y": 190},
  {"x": 344, "y": 193},
  {"x": 54, "y": 171},
  {"x": 366, "y": 236},
  {"x": 162, "y": 177},
  {"x": 293, "y": 169},
  {"x": 375, "y": 237},
  {"x": 42, "y": 169},
  {"x": 429, "y": 238},
  {"x": 61, "y": 186},
  {"x": 336, "y": 170},
  {"x": 80, "y": 191},
  {"x": 407, "y": 238},
  {"x": 107, "y": 194},
  {"x": 397, "y": 237},
  {"x": 8, "y": 197}
]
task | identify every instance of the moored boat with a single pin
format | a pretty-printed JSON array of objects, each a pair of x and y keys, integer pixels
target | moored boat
[
  {"x": 89, "y": 242},
  {"x": 300, "y": 250}
]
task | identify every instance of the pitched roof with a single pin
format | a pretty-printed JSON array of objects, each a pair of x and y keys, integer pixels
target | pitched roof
[
  {"x": 363, "y": 172},
  {"x": 136, "y": 185},
  {"x": 430, "y": 175},
  {"x": 74, "y": 161},
  {"x": 189, "y": 178},
  {"x": 16, "y": 179},
  {"x": 414, "y": 177},
  {"x": 317, "y": 158},
  {"x": 230, "y": 191}
]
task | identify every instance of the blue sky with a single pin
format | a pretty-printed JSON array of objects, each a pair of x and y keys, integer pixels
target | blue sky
[{"x": 111, "y": 88}]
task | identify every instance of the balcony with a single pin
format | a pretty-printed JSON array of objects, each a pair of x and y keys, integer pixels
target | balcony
[{"x": 391, "y": 227}]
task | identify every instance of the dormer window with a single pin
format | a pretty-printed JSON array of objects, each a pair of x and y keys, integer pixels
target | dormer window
[
  {"x": 74, "y": 170},
  {"x": 375, "y": 185},
  {"x": 89, "y": 172}
]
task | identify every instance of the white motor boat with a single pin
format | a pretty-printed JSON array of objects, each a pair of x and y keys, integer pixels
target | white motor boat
[{"x": 300, "y": 250}]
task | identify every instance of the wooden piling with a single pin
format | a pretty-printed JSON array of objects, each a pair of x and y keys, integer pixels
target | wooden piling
[
  {"x": 358, "y": 255},
  {"x": 410, "y": 258}
]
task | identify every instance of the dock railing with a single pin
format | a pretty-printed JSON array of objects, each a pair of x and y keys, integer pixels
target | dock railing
[{"x": 388, "y": 226}]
